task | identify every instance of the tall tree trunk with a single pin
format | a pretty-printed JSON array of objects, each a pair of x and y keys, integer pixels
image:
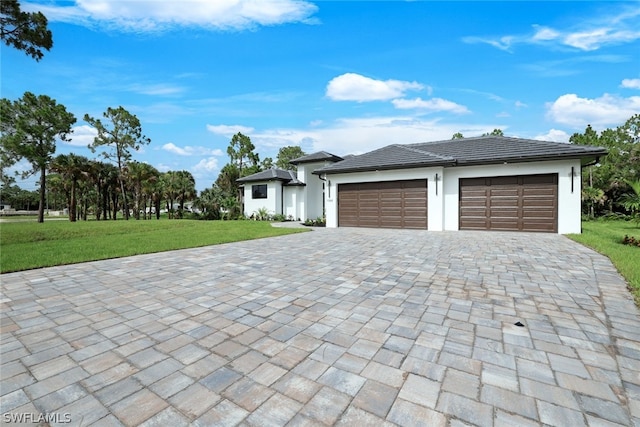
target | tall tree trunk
[
  {"x": 115, "y": 205},
  {"x": 125, "y": 204},
  {"x": 43, "y": 181},
  {"x": 105, "y": 203},
  {"x": 73, "y": 204}
]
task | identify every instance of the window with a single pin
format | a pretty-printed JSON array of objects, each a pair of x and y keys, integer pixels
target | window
[{"x": 259, "y": 191}]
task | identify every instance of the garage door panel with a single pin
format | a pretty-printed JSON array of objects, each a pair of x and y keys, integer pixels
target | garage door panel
[
  {"x": 479, "y": 193},
  {"x": 542, "y": 204},
  {"x": 390, "y": 204},
  {"x": 514, "y": 203},
  {"x": 502, "y": 180},
  {"x": 497, "y": 203}
]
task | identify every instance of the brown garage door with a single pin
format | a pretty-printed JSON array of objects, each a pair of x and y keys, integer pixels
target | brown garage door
[
  {"x": 510, "y": 203},
  {"x": 393, "y": 204}
]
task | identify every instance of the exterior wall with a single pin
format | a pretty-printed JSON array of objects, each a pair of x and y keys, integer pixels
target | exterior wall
[
  {"x": 293, "y": 201},
  {"x": 443, "y": 213},
  {"x": 312, "y": 205},
  {"x": 435, "y": 201},
  {"x": 273, "y": 202},
  {"x": 569, "y": 203}
]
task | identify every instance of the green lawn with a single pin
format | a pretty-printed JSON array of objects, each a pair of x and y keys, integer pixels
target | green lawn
[
  {"x": 27, "y": 245},
  {"x": 606, "y": 238}
]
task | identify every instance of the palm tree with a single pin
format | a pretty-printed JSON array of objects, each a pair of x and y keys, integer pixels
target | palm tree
[
  {"x": 231, "y": 208},
  {"x": 57, "y": 193},
  {"x": 71, "y": 167},
  {"x": 149, "y": 190},
  {"x": 171, "y": 189},
  {"x": 138, "y": 175},
  {"x": 593, "y": 196},
  {"x": 631, "y": 201},
  {"x": 209, "y": 202},
  {"x": 187, "y": 186}
]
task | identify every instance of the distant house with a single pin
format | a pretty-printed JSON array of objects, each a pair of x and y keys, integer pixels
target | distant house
[
  {"x": 484, "y": 183},
  {"x": 297, "y": 195}
]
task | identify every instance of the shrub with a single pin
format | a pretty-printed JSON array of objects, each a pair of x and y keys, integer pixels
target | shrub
[
  {"x": 278, "y": 218},
  {"x": 631, "y": 241},
  {"x": 261, "y": 214},
  {"x": 614, "y": 216},
  {"x": 318, "y": 222}
]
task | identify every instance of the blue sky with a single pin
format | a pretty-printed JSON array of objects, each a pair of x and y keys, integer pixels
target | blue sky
[{"x": 340, "y": 76}]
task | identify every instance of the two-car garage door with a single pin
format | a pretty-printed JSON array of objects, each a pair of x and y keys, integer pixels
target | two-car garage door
[
  {"x": 390, "y": 204},
  {"x": 510, "y": 203}
]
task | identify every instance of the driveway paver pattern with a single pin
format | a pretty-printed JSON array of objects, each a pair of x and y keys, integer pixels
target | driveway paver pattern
[{"x": 331, "y": 327}]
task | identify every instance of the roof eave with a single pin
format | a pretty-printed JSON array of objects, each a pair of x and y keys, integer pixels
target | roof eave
[
  {"x": 530, "y": 159},
  {"x": 242, "y": 180},
  {"x": 383, "y": 167}
]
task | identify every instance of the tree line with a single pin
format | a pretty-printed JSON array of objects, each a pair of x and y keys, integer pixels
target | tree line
[
  {"x": 30, "y": 126},
  {"x": 611, "y": 187}
]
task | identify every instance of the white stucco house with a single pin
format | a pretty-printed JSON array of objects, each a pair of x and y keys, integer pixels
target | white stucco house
[
  {"x": 297, "y": 195},
  {"x": 484, "y": 183}
]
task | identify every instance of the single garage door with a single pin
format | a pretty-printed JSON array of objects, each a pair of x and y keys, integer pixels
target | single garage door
[
  {"x": 510, "y": 203},
  {"x": 391, "y": 204}
]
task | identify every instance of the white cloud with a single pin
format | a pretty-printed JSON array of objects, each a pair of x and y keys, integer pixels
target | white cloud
[
  {"x": 519, "y": 104},
  {"x": 596, "y": 38},
  {"x": 157, "y": 89},
  {"x": 355, "y": 87},
  {"x": 616, "y": 28},
  {"x": 502, "y": 43},
  {"x": 210, "y": 164},
  {"x": 158, "y": 15},
  {"x": 554, "y": 135},
  {"x": 545, "y": 33},
  {"x": 163, "y": 168},
  {"x": 631, "y": 83},
  {"x": 82, "y": 136},
  {"x": 433, "y": 104},
  {"x": 360, "y": 135},
  {"x": 607, "y": 110},
  {"x": 191, "y": 151},
  {"x": 229, "y": 130}
]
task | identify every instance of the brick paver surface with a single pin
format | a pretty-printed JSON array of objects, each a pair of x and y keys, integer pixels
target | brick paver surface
[{"x": 335, "y": 326}]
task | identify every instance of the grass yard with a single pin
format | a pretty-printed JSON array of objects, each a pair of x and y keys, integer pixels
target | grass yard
[
  {"x": 606, "y": 238},
  {"x": 28, "y": 245}
]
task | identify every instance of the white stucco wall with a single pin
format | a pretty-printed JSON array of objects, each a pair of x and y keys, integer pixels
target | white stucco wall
[
  {"x": 312, "y": 206},
  {"x": 443, "y": 206},
  {"x": 569, "y": 204},
  {"x": 293, "y": 201},
  {"x": 435, "y": 202},
  {"x": 272, "y": 202}
]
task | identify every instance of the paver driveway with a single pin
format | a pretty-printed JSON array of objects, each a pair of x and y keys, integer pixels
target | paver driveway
[{"x": 336, "y": 326}]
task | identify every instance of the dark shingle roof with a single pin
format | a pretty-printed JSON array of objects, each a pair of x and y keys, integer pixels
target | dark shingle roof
[
  {"x": 316, "y": 157},
  {"x": 463, "y": 152},
  {"x": 287, "y": 177}
]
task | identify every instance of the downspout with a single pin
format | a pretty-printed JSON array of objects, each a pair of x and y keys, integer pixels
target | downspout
[{"x": 324, "y": 212}]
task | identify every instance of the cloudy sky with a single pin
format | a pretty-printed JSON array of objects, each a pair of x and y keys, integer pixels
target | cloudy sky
[{"x": 341, "y": 76}]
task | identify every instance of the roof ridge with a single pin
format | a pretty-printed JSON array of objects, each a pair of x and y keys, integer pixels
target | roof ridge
[{"x": 417, "y": 150}]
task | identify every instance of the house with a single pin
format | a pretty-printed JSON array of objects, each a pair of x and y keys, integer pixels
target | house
[
  {"x": 298, "y": 195},
  {"x": 483, "y": 183}
]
